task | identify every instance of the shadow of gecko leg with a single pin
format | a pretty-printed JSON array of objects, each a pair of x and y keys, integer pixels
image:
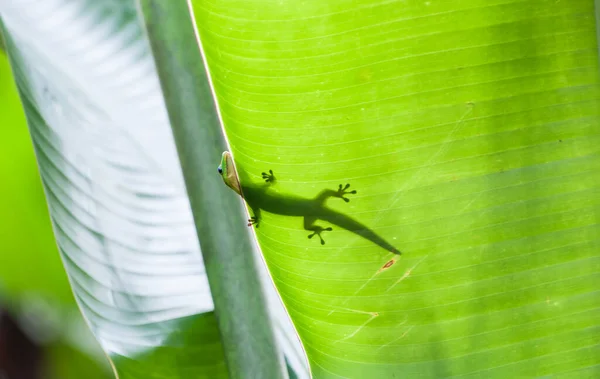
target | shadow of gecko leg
[
  {"x": 309, "y": 224},
  {"x": 309, "y": 221}
]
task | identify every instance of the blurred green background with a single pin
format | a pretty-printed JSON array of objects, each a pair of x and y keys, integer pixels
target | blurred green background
[{"x": 33, "y": 284}]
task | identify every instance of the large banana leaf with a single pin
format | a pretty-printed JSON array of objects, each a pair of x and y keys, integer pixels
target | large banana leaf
[
  {"x": 114, "y": 187},
  {"x": 471, "y": 131}
]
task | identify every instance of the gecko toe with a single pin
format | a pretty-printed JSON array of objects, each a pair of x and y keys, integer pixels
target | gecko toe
[
  {"x": 317, "y": 230},
  {"x": 343, "y": 190},
  {"x": 269, "y": 178}
]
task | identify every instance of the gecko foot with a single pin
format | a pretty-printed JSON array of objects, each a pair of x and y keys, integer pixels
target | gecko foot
[
  {"x": 342, "y": 190},
  {"x": 253, "y": 221},
  {"x": 317, "y": 230},
  {"x": 270, "y": 177}
]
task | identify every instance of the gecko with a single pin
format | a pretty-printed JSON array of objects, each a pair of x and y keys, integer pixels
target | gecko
[{"x": 260, "y": 197}]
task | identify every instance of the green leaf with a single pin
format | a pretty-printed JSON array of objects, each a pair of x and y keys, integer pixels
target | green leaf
[
  {"x": 115, "y": 190},
  {"x": 470, "y": 129}
]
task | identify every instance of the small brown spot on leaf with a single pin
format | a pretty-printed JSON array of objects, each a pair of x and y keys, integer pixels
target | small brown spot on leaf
[{"x": 387, "y": 265}]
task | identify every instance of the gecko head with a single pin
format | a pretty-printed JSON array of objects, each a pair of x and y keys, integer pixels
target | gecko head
[
  {"x": 227, "y": 171},
  {"x": 226, "y": 160}
]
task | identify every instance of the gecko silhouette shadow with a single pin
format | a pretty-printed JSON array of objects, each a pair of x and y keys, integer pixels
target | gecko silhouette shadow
[{"x": 260, "y": 198}]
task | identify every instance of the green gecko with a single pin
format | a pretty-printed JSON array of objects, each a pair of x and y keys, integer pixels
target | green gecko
[{"x": 260, "y": 198}]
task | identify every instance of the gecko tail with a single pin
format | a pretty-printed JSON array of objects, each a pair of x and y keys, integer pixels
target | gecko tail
[{"x": 358, "y": 228}]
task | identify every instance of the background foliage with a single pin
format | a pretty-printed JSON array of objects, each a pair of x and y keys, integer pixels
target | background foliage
[{"x": 33, "y": 284}]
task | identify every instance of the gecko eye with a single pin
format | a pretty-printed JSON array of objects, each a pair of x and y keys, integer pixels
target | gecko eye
[{"x": 220, "y": 170}]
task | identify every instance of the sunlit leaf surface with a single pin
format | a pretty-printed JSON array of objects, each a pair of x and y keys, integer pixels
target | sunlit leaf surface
[{"x": 470, "y": 129}]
